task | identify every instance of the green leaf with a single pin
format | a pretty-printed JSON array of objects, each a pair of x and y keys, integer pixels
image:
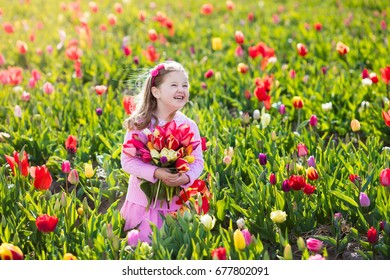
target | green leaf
[
  {"x": 344, "y": 198},
  {"x": 221, "y": 209}
]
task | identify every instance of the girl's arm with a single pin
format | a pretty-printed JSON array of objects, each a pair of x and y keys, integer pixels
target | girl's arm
[
  {"x": 197, "y": 166},
  {"x": 135, "y": 166}
]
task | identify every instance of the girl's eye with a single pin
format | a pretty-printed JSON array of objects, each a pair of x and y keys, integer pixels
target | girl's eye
[
  {"x": 173, "y": 85},
  {"x": 185, "y": 86}
]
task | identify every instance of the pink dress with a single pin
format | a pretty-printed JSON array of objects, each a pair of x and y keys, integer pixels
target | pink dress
[{"x": 134, "y": 208}]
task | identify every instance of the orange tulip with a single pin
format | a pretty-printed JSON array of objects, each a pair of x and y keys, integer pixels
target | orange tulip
[{"x": 342, "y": 48}]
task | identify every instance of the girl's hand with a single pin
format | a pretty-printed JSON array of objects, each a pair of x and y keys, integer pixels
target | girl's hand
[{"x": 171, "y": 179}]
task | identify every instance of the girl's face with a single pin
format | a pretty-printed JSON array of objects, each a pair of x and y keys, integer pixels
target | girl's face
[{"x": 173, "y": 93}]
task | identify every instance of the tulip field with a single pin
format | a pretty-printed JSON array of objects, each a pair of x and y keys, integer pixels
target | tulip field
[{"x": 292, "y": 103}]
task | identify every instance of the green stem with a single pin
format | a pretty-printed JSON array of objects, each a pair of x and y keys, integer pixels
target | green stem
[{"x": 158, "y": 190}]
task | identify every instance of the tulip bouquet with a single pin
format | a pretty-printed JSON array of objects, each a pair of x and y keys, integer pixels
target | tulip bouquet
[{"x": 169, "y": 146}]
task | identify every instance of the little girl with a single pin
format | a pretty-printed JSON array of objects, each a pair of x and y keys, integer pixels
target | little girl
[{"x": 164, "y": 93}]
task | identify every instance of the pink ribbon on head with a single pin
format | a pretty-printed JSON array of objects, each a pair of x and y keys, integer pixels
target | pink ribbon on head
[{"x": 156, "y": 71}]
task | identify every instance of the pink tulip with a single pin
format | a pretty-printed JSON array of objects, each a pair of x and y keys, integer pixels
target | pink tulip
[
  {"x": 313, "y": 245},
  {"x": 384, "y": 177},
  {"x": 65, "y": 166},
  {"x": 302, "y": 150},
  {"x": 48, "y": 88},
  {"x": 133, "y": 238},
  {"x": 247, "y": 236},
  {"x": 25, "y": 96}
]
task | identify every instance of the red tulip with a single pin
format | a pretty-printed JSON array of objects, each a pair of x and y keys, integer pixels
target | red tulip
[
  {"x": 42, "y": 180},
  {"x": 384, "y": 177},
  {"x": 15, "y": 75},
  {"x": 309, "y": 189},
  {"x": 385, "y": 74},
  {"x": 93, "y": 7},
  {"x": 22, "y": 164},
  {"x": 100, "y": 89},
  {"x": 386, "y": 117},
  {"x": 10, "y": 252},
  {"x": 128, "y": 104},
  {"x": 71, "y": 144},
  {"x": 207, "y": 9},
  {"x": 372, "y": 236},
  {"x": 151, "y": 54},
  {"x": 318, "y": 26},
  {"x": 272, "y": 179},
  {"x": 8, "y": 28},
  {"x": 111, "y": 19},
  {"x": 204, "y": 141},
  {"x": 153, "y": 36},
  {"x": 296, "y": 182},
  {"x": 302, "y": 50},
  {"x": 118, "y": 8},
  {"x": 312, "y": 174},
  {"x": 209, "y": 73},
  {"x": 219, "y": 253},
  {"x": 239, "y": 36},
  {"x": 182, "y": 165},
  {"x": 46, "y": 223},
  {"x": 341, "y": 48},
  {"x": 172, "y": 143}
]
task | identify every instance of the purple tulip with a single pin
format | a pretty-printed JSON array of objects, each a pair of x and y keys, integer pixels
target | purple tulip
[
  {"x": 136, "y": 60},
  {"x": 311, "y": 162},
  {"x": 364, "y": 200},
  {"x": 99, "y": 111},
  {"x": 163, "y": 159},
  {"x": 285, "y": 186},
  {"x": 282, "y": 109},
  {"x": 263, "y": 159}
]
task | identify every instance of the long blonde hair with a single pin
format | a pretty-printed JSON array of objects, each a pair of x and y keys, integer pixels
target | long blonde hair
[{"x": 146, "y": 103}]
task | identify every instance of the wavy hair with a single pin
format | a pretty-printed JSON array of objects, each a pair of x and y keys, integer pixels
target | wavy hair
[{"x": 146, "y": 103}]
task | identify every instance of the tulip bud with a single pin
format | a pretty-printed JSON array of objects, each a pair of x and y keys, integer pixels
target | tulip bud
[
  {"x": 88, "y": 170},
  {"x": 282, "y": 109},
  {"x": 355, "y": 125},
  {"x": 48, "y": 88},
  {"x": 69, "y": 257},
  {"x": 65, "y": 166},
  {"x": 262, "y": 159},
  {"x": 272, "y": 179},
  {"x": 10, "y": 252},
  {"x": 80, "y": 211},
  {"x": 73, "y": 177},
  {"x": 314, "y": 245},
  {"x": 216, "y": 43},
  {"x": 241, "y": 223},
  {"x": 227, "y": 160},
  {"x": 311, "y": 162},
  {"x": 384, "y": 177},
  {"x": 239, "y": 240},
  {"x": 285, "y": 186},
  {"x": 133, "y": 238},
  {"x": 273, "y": 136},
  {"x": 313, "y": 120},
  {"x": 246, "y": 118},
  {"x": 287, "y": 254},
  {"x": 302, "y": 150},
  {"x": 372, "y": 236},
  {"x": 256, "y": 114},
  {"x": 312, "y": 173},
  {"x": 364, "y": 200},
  {"x": 207, "y": 221},
  {"x": 301, "y": 244},
  {"x": 247, "y": 236}
]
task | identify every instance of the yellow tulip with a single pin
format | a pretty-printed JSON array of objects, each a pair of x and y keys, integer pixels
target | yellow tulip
[
  {"x": 69, "y": 257},
  {"x": 216, "y": 43},
  {"x": 88, "y": 170},
  {"x": 239, "y": 240},
  {"x": 355, "y": 125},
  {"x": 278, "y": 216}
]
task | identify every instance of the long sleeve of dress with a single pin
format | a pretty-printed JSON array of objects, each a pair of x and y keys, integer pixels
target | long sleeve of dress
[
  {"x": 197, "y": 166},
  {"x": 135, "y": 166}
]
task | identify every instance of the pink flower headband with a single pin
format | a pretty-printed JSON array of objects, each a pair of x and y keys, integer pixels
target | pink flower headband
[{"x": 156, "y": 71}]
